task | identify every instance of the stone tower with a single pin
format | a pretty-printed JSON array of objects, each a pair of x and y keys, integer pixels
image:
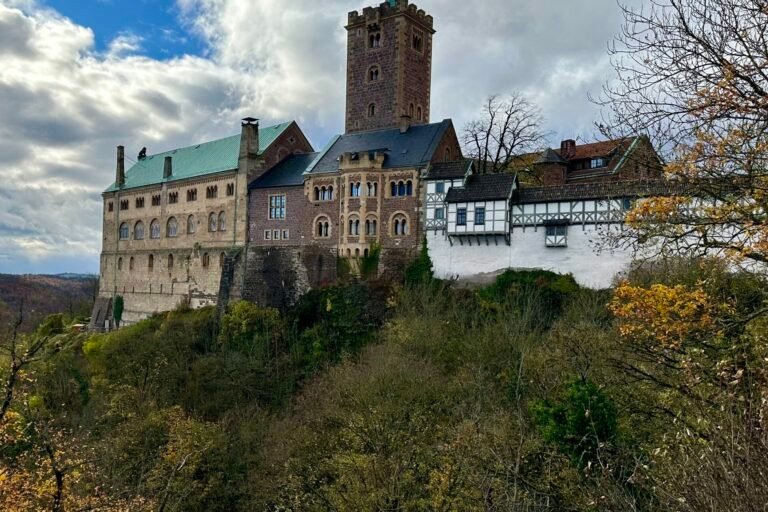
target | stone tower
[{"x": 389, "y": 66}]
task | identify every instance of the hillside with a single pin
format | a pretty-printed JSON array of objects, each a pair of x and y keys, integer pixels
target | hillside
[
  {"x": 530, "y": 394},
  {"x": 71, "y": 294}
]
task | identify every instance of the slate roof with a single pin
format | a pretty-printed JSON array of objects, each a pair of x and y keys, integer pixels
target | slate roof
[
  {"x": 413, "y": 148},
  {"x": 288, "y": 173},
  {"x": 606, "y": 190},
  {"x": 198, "y": 160},
  {"x": 482, "y": 187},
  {"x": 448, "y": 170}
]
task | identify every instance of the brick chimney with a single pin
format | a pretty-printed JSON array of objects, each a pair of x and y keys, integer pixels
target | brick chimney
[
  {"x": 249, "y": 146},
  {"x": 168, "y": 167},
  {"x": 120, "y": 173},
  {"x": 567, "y": 148},
  {"x": 405, "y": 123}
]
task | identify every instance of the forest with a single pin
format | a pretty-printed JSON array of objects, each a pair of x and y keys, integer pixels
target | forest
[{"x": 529, "y": 394}]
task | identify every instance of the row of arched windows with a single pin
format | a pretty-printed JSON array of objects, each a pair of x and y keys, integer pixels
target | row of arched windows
[
  {"x": 324, "y": 193},
  {"x": 371, "y": 189},
  {"x": 401, "y": 188},
  {"x": 216, "y": 222},
  {"x": 206, "y": 261},
  {"x": 416, "y": 111},
  {"x": 371, "y": 227}
]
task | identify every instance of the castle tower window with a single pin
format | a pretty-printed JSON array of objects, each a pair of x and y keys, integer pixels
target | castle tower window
[
  {"x": 354, "y": 227},
  {"x": 393, "y": 189},
  {"x": 409, "y": 188},
  {"x": 192, "y": 195},
  {"x": 156, "y": 200},
  {"x": 154, "y": 229},
  {"x": 317, "y": 193},
  {"x": 230, "y": 189},
  {"x": 222, "y": 221},
  {"x": 170, "y": 261},
  {"x": 138, "y": 231},
  {"x": 119, "y": 263},
  {"x": 370, "y": 227},
  {"x": 277, "y": 207},
  {"x": 417, "y": 41},
  {"x": 372, "y": 189},
  {"x": 172, "y": 228},
  {"x": 130, "y": 263},
  {"x": 323, "y": 227},
  {"x": 206, "y": 260},
  {"x": 124, "y": 231},
  {"x": 173, "y": 197},
  {"x": 110, "y": 207},
  {"x": 373, "y": 73},
  {"x": 222, "y": 256},
  {"x": 419, "y": 114},
  {"x": 355, "y": 189},
  {"x": 151, "y": 262},
  {"x": 374, "y": 36},
  {"x": 212, "y": 192},
  {"x": 124, "y": 204},
  {"x": 191, "y": 226},
  {"x": 139, "y": 202},
  {"x": 372, "y": 110},
  {"x": 212, "y": 223},
  {"x": 410, "y": 110},
  {"x": 401, "y": 188}
]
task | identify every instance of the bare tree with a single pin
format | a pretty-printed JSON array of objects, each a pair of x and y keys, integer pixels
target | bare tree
[
  {"x": 693, "y": 75},
  {"x": 507, "y": 129}
]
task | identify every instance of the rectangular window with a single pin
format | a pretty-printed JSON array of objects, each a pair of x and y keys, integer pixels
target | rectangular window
[
  {"x": 439, "y": 214},
  {"x": 461, "y": 217},
  {"x": 286, "y": 235},
  {"x": 440, "y": 187},
  {"x": 276, "y": 234},
  {"x": 599, "y": 162},
  {"x": 268, "y": 235},
  {"x": 479, "y": 216},
  {"x": 277, "y": 207},
  {"x": 557, "y": 236}
]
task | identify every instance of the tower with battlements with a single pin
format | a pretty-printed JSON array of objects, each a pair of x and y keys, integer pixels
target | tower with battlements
[{"x": 389, "y": 66}]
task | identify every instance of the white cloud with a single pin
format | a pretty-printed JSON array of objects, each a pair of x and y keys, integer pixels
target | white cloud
[{"x": 65, "y": 106}]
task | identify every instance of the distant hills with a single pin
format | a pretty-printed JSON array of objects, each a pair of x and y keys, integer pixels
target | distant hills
[{"x": 42, "y": 295}]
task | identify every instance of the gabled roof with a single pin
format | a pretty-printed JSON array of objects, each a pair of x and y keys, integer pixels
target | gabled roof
[
  {"x": 483, "y": 187},
  {"x": 413, "y": 148},
  {"x": 288, "y": 173},
  {"x": 449, "y": 170},
  {"x": 206, "y": 158},
  {"x": 601, "y": 190},
  {"x": 597, "y": 149}
]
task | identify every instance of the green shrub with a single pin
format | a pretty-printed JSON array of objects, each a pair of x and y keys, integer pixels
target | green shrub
[{"x": 420, "y": 271}]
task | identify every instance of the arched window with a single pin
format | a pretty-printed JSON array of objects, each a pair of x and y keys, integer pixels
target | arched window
[
  {"x": 154, "y": 229},
  {"x": 401, "y": 188},
  {"x": 355, "y": 189},
  {"x": 138, "y": 231},
  {"x": 372, "y": 110},
  {"x": 373, "y": 73},
  {"x": 130, "y": 263},
  {"x": 354, "y": 227},
  {"x": 330, "y": 194},
  {"x": 172, "y": 228},
  {"x": 373, "y": 189},
  {"x": 393, "y": 191},
  {"x": 222, "y": 221},
  {"x": 447, "y": 156},
  {"x": 125, "y": 231},
  {"x": 399, "y": 225},
  {"x": 151, "y": 262},
  {"x": 410, "y": 110},
  {"x": 371, "y": 227},
  {"x": 119, "y": 263},
  {"x": 191, "y": 226},
  {"x": 212, "y": 222},
  {"x": 323, "y": 227},
  {"x": 324, "y": 194},
  {"x": 409, "y": 188},
  {"x": 221, "y": 260},
  {"x": 206, "y": 260},
  {"x": 170, "y": 261},
  {"x": 317, "y": 193},
  {"x": 418, "y": 114}
]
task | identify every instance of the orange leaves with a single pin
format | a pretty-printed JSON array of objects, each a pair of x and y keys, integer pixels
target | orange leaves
[
  {"x": 656, "y": 209},
  {"x": 665, "y": 315}
]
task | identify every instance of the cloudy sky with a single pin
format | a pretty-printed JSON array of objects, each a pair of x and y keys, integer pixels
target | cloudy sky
[{"x": 79, "y": 77}]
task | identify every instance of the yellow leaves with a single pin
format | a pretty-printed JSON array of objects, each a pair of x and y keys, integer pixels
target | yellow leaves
[
  {"x": 665, "y": 315},
  {"x": 656, "y": 209}
]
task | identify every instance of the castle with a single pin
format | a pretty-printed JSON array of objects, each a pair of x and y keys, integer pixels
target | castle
[{"x": 263, "y": 216}]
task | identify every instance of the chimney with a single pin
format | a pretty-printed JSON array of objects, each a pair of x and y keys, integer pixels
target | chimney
[
  {"x": 567, "y": 148},
  {"x": 249, "y": 144},
  {"x": 120, "y": 173},
  {"x": 167, "y": 167},
  {"x": 405, "y": 123}
]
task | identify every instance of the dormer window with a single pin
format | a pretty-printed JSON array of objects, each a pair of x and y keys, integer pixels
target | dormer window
[{"x": 598, "y": 162}]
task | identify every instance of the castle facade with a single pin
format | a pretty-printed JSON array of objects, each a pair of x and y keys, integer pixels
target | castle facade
[{"x": 263, "y": 216}]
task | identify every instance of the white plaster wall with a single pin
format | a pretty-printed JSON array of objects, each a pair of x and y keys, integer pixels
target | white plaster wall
[{"x": 527, "y": 251}]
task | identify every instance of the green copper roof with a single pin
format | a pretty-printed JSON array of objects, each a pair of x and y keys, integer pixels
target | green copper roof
[{"x": 201, "y": 159}]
